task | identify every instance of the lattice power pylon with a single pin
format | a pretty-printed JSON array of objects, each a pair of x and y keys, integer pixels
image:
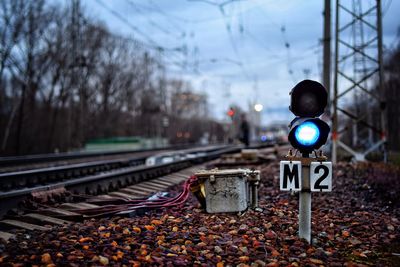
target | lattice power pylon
[{"x": 359, "y": 121}]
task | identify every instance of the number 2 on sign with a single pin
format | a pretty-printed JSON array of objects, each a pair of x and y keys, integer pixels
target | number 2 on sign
[{"x": 321, "y": 176}]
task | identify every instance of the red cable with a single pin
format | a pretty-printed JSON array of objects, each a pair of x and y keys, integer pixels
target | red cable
[{"x": 132, "y": 205}]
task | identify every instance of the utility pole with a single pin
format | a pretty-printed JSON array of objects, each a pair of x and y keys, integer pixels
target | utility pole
[
  {"x": 76, "y": 66},
  {"x": 327, "y": 52},
  {"x": 74, "y": 34},
  {"x": 326, "y": 41}
]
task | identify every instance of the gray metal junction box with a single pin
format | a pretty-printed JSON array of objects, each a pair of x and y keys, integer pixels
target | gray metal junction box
[{"x": 229, "y": 190}]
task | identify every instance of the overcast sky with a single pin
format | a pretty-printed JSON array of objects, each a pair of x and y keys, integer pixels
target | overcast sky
[{"x": 239, "y": 53}]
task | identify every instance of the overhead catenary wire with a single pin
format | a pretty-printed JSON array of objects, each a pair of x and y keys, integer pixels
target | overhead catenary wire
[
  {"x": 172, "y": 18},
  {"x": 155, "y": 24},
  {"x": 289, "y": 57},
  {"x": 150, "y": 43},
  {"x": 233, "y": 43}
]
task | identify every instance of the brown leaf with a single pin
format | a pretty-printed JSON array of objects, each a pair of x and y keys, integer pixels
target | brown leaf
[
  {"x": 46, "y": 258},
  {"x": 244, "y": 258},
  {"x": 156, "y": 222},
  {"x": 316, "y": 261},
  {"x": 149, "y": 227},
  {"x": 137, "y": 230},
  {"x": 85, "y": 239},
  {"x": 345, "y": 233},
  {"x": 275, "y": 253}
]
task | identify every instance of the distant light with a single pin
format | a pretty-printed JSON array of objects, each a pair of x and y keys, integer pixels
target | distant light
[
  {"x": 258, "y": 107},
  {"x": 307, "y": 133},
  {"x": 231, "y": 112},
  {"x": 263, "y": 138}
]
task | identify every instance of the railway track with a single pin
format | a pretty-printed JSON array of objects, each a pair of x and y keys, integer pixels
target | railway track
[
  {"x": 52, "y": 175},
  {"x": 46, "y": 216},
  {"x": 68, "y": 156},
  {"x": 38, "y": 207},
  {"x": 18, "y": 164},
  {"x": 130, "y": 182},
  {"x": 42, "y": 218}
]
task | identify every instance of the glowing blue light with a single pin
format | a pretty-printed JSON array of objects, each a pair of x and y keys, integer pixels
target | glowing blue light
[
  {"x": 307, "y": 133},
  {"x": 263, "y": 138}
]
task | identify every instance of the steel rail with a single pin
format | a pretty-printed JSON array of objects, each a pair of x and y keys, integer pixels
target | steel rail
[
  {"x": 30, "y": 178},
  {"x": 42, "y": 158},
  {"x": 109, "y": 181}
]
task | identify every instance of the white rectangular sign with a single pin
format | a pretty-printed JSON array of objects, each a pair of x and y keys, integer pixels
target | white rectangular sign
[
  {"x": 321, "y": 176},
  {"x": 290, "y": 175}
]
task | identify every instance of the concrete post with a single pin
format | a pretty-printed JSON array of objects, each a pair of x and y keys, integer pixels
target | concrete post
[{"x": 305, "y": 205}]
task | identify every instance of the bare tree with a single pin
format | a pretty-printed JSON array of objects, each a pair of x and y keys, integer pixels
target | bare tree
[{"x": 65, "y": 79}]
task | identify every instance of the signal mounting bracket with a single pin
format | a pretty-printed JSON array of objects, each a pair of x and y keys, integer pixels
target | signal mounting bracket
[{"x": 319, "y": 156}]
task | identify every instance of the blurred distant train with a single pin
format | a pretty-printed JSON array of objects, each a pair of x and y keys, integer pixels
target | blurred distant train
[
  {"x": 124, "y": 143},
  {"x": 276, "y": 133}
]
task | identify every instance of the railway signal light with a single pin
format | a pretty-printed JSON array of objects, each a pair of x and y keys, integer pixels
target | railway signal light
[
  {"x": 231, "y": 112},
  {"x": 307, "y": 131}
]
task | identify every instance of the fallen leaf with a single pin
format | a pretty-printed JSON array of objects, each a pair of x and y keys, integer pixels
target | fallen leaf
[
  {"x": 46, "y": 258},
  {"x": 149, "y": 227},
  {"x": 85, "y": 239},
  {"x": 316, "y": 261},
  {"x": 256, "y": 244},
  {"x": 275, "y": 253},
  {"x": 106, "y": 235},
  {"x": 137, "y": 230},
  {"x": 176, "y": 248},
  {"x": 244, "y": 258},
  {"x": 270, "y": 235},
  {"x": 103, "y": 260},
  {"x": 156, "y": 222}
]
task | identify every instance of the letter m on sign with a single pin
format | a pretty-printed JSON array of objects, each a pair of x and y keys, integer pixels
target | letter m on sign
[{"x": 290, "y": 175}]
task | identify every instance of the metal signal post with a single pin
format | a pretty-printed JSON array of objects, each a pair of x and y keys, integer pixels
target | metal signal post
[{"x": 307, "y": 134}]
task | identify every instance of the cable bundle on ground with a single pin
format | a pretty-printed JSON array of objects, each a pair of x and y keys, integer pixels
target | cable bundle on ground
[{"x": 132, "y": 205}]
